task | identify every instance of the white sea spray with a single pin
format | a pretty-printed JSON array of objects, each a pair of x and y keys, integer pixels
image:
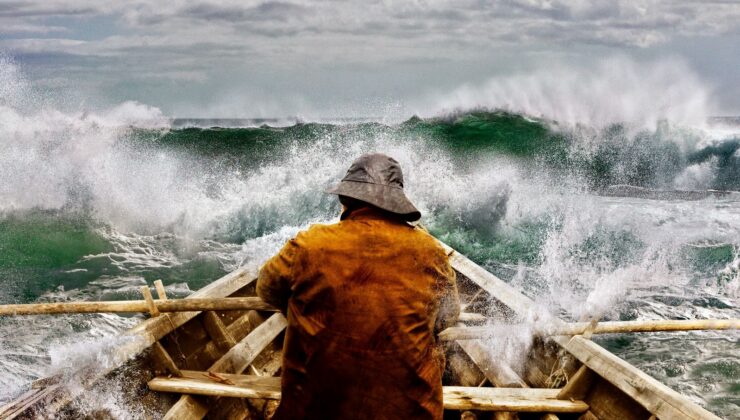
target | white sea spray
[
  {"x": 161, "y": 210},
  {"x": 615, "y": 89}
]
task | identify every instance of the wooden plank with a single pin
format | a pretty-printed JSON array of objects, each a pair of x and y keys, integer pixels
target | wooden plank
[
  {"x": 472, "y": 317},
  {"x": 588, "y": 415},
  {"x": 142, "y": 336},
  {"x": 234, "y": 361},
  {"x": 653, "y": 395},
  {"x": 151, "y": 306},
  {"x": 201, "y": 383},
  {"x": 536, "y": 400},
  {"x": 535, "y": 376},
  {"x": 20, "y": 404},
  {"x": 242, "y": 354},
  {"x": 607, "y": 402},
  {"x": 154, "y": 329},
  {"x": 217, "y": 331},
  {"x": 210, "y": 352},
  {"x": 164, "y": 359},
  {"x": 147, "y": 305},
  {"x": 657, "y": 398},
  {"x": 455, "y": 398},
  {"x": 161, "y": 293},
  {"x": 498, "y": 373},
  {"x": 578, "y": 385},
  {"x": 462, "y": 369},
  {"x": 489, "y": 282},
  {"x": 607, "y": 327}
]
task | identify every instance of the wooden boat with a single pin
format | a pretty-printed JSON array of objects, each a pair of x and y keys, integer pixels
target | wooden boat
[{"x": 191, "y": 365}]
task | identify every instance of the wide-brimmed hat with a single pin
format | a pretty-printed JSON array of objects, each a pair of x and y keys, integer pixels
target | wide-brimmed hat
[{"x": 377, "y": 179}]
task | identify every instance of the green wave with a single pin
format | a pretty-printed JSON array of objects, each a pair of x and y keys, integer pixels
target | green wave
[
  {"x": 477, "y": 132},
  {"x": 615, "y": 154},
  {"x": 37, "y": 247}
]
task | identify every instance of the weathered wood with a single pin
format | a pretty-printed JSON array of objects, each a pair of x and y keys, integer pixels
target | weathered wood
[
  {"x": 657, "y": 398},
  {"x": 489, "y": 282},
  {"x": 608, "y": 402},
  {"x": 535, "y": 376},
  {"x": 164, "y": 359},
  {"x": 455, "y": 398},
  {"x": 217, "y": 331},
  {"x": 161, "y": 294},
  {"x": 150, "y": 305},
  {"x": 588, "y": 415},
  {"x": 472, "y": 317},
  {"x": 200, "y": 383},
  {"x": 136, "y": 340},
  {"x": 468, "y": 415},
  {"x": 610, "y": 327},
  {"x": 128, "y": 306},
  {"x": 461, "y": 369},
  {"x": 242, "y": 354},
  {"x": 234, "y": 361},
  {"x": 578, "y": 385},
  {"x": 653, "y": 395},
  {"x": 231, "y": 409},
  {"x": 210, "y": 352},
  {"x": 30, "y": 398},
  {"x": 477, "y": 362},
  {"x": 646, "y": 393},
  {"x": 499, "y": 374}
]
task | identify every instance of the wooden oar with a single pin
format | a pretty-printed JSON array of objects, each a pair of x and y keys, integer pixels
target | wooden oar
[
  {"x": 577, "y": 328},
  {"x": 169, "y": 305}
]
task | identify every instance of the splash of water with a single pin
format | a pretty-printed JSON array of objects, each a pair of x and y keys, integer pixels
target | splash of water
[
  {"x": 617, "y": 89},
  {"x": 163, "y": 207}
]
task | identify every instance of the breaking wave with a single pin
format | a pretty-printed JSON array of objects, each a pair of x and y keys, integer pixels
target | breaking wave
[{"x": 95, "y": 204}]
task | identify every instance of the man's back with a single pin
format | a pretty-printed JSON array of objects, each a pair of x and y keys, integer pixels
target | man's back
[{"x": 362, "y": 298}]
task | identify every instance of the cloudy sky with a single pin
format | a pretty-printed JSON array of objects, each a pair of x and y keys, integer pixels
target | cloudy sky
[{"x": 247, "y": 58}]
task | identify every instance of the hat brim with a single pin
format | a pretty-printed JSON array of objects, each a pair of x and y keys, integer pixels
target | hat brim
[{"x": 383, "y": 196}]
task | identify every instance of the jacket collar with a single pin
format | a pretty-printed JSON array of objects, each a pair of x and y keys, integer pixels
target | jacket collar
[{"x": 369, "y": 213}]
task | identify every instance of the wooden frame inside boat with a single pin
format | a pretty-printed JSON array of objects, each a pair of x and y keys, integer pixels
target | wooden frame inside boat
[{"x": 226, "y": 364}]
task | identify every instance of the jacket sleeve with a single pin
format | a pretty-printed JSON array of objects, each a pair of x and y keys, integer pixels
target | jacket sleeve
[
  {"x": 449, "y": 306},
  {"x": 276, "y": 277}
]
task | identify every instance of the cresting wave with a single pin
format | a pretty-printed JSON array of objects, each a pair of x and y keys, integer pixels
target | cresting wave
[
  {"x": 613, "y": 90},
  {"x": 94, "y": 204}
]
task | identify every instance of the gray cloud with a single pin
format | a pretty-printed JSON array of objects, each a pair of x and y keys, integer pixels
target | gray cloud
[
  {"x": 197, "y": 42},
  {"x": 630, "y": 23}
]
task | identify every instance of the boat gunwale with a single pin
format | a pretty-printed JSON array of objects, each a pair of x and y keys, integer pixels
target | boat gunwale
[
  {"x": 143, "y": 335},
  {"x": 651, "y": 394}
]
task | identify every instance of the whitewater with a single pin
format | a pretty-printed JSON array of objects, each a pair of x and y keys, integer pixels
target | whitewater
[{"x": 514, "y": 173}]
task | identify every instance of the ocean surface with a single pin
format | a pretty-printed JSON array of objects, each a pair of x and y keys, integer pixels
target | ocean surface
[{"x": 95, "y": 204}]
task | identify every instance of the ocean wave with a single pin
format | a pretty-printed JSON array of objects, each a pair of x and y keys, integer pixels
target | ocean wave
[{"x": 614, "y": 90}]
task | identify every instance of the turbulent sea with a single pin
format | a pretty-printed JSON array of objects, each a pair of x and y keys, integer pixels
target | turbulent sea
[{"x": 95, "y": 204}]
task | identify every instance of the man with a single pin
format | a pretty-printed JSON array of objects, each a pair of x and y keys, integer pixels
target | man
[{"x": 364, "y": 299}]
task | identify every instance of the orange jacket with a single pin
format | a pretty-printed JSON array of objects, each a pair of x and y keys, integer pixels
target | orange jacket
[{"x": 364, "y": 298}]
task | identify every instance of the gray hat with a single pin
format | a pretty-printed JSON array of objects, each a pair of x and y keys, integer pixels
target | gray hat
[{"x": 376, "y": 179}]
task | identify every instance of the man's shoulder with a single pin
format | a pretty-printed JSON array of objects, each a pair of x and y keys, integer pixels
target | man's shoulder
[
  {"x": 422, "y": 236},
  {"x": 317, "y": 231},
  {"x": 322, "y": 234}
]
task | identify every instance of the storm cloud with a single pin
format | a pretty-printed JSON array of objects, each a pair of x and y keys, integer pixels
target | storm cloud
[{"x": 253, "y": 57}]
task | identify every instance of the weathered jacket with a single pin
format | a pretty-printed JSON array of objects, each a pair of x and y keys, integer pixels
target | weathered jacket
[{"x": 364, "y": 298}]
